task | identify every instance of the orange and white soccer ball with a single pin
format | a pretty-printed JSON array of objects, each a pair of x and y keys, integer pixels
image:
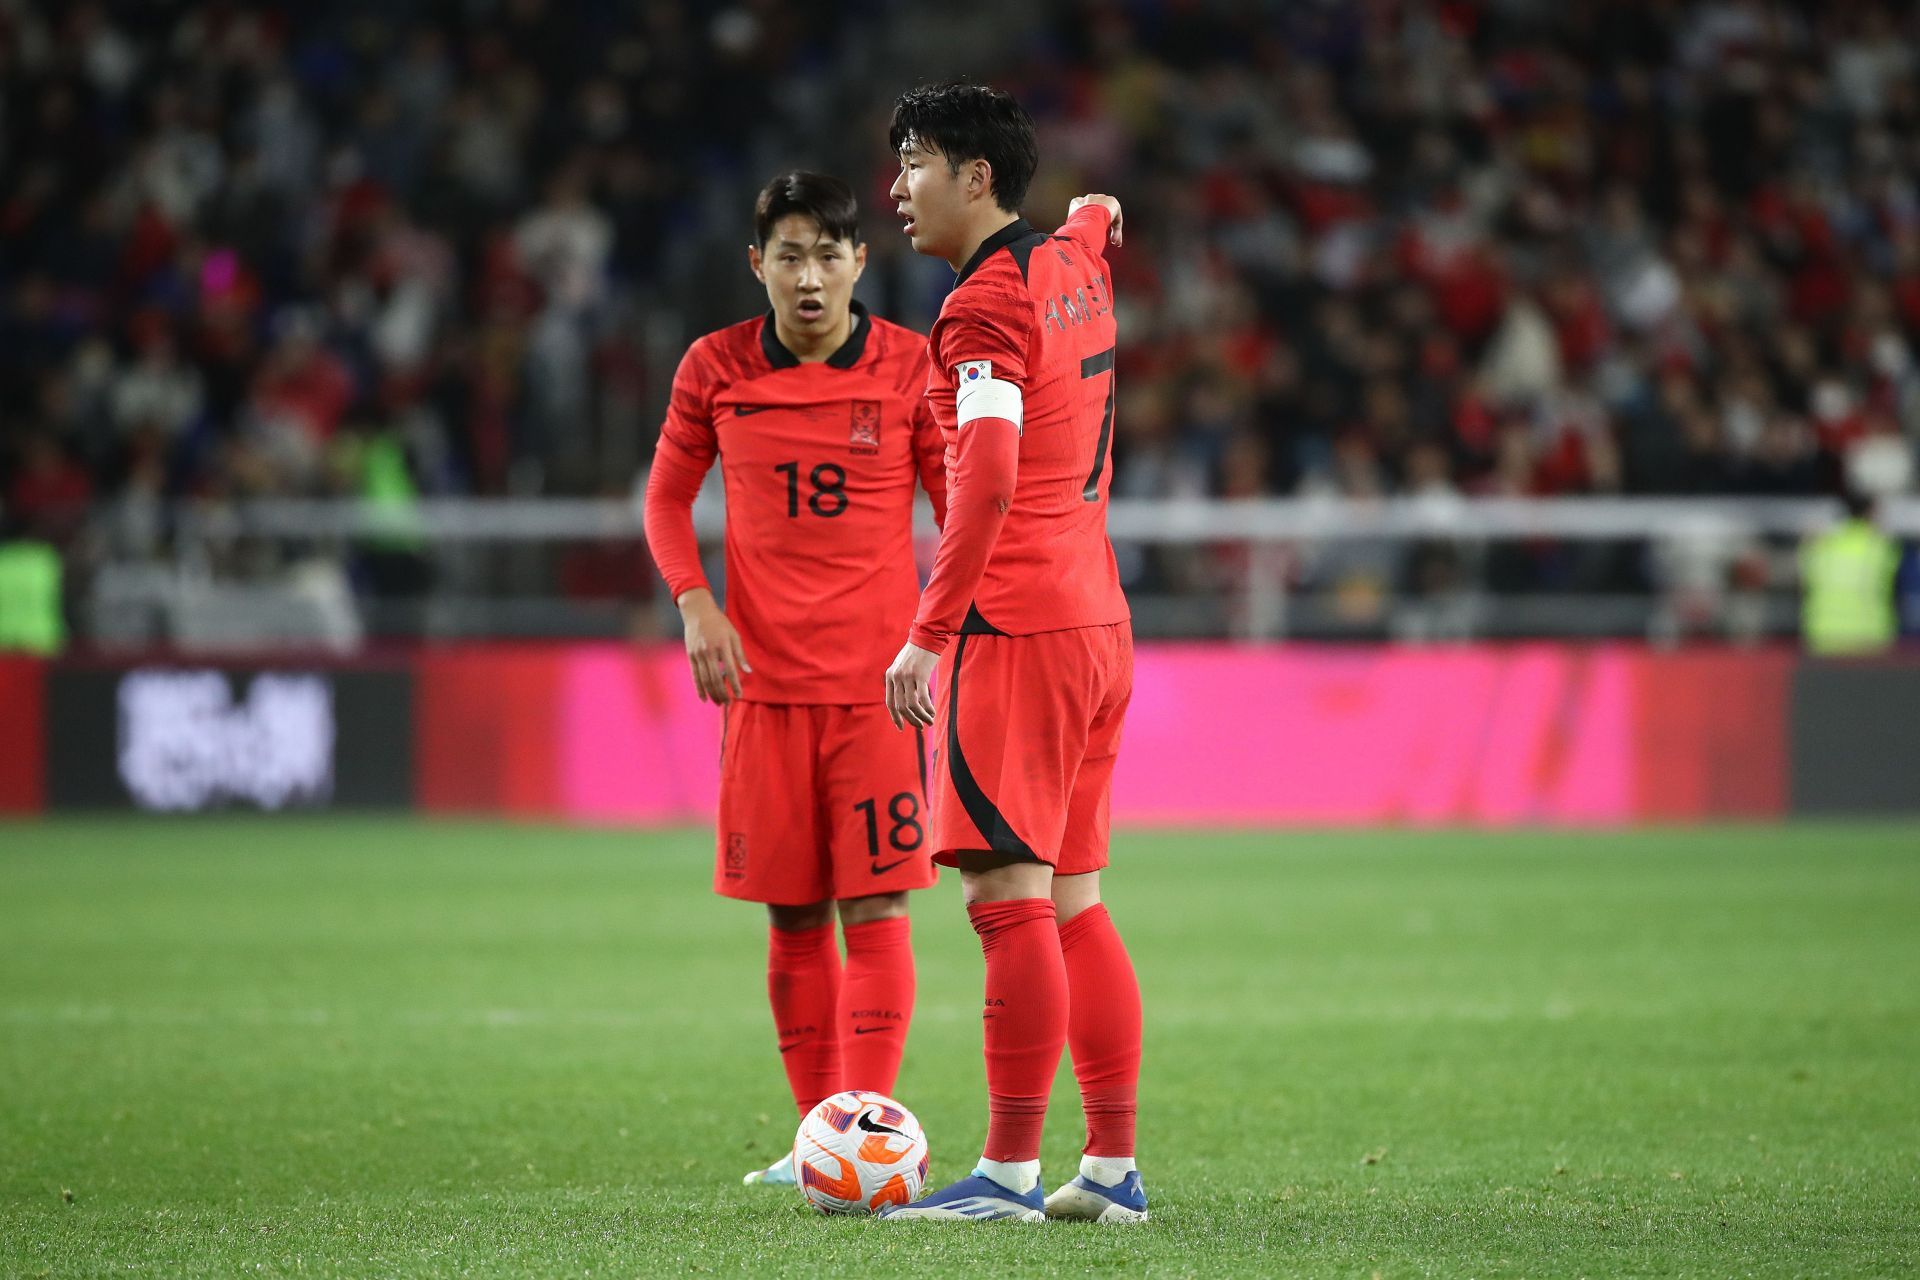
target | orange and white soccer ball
[{"x": 858, "y": 1152}]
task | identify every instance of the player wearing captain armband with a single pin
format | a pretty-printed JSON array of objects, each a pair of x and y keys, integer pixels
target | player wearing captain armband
[
  {"x": 817, "y": 416},
  {"x": 1024, "y": 636}
]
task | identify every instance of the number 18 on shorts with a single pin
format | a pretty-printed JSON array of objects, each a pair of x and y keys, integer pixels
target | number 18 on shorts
[{"x": 819, "y": 803}]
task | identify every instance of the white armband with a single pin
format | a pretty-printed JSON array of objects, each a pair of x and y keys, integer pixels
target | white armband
[{"x": 978, "y": 394}]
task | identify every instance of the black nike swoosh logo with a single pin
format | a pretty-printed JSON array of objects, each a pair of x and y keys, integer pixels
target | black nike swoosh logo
[
  {"x": 865, "y": 1123},
  {"x": 867, "y": 1031},
  {"x": 790, "y": 1046},
  {"x": 880, "y": 867},
  {"x": 742, "y": 410}
]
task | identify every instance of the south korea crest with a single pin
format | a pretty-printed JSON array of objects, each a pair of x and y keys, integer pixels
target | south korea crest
[{"x": 864, "y": 435}]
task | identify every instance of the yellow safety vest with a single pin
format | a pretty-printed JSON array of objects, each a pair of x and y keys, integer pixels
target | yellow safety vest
[
  {"x": 1847, "y": 604},
  {"x": 30, "y": 617}
]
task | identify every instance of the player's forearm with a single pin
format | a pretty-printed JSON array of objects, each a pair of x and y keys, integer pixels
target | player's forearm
[
  {"x": 965, "y": 547},
  {"x": 979, "y": 491},
  {"x": 672, "y": 486}
]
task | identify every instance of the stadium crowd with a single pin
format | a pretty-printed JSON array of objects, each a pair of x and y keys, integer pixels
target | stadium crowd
[
  {"x": 1432, "y": 246},
  {"x": 1518, "y": 248}
]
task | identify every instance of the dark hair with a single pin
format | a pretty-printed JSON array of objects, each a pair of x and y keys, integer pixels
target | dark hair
[
  {"x": 964, "y": 121},
  {"x": 825, "y": 199}
]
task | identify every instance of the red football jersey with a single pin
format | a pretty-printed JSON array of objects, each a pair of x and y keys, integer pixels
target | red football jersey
[
  {"x": 819, "y": 462},
  {"x": 1036, "y": 310}
]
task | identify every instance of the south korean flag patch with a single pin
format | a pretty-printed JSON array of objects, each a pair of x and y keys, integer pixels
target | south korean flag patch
[{"x": 978, "y": 394}]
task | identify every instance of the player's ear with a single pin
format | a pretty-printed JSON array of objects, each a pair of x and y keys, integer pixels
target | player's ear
[
  {"x": 754, "y": 261},
  {"x": 859, "y": 259},
  {"x": 980, "y": 179}
]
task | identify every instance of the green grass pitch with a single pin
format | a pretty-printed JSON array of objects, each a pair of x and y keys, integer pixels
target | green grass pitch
[{"x": 351, "y": 1047}]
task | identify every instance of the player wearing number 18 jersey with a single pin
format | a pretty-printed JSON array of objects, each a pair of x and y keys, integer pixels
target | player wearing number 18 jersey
[
  {"x": 817, "y": 417},
  {"x": 1026, "y": 620}
]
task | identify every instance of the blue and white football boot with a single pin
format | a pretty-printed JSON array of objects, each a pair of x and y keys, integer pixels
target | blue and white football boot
[
  {"x": 777, "y": 1174},
  {"x": 1089, "y": 1201},
  {"x": 975, "y": 1198}
]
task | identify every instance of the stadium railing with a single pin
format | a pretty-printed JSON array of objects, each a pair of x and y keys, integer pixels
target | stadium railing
[{"x": 270, "y": 572}]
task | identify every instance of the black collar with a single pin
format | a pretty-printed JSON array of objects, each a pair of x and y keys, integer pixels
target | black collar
[
  {"x": 845, "y": 358},
  {"x": 1018, "y": 229}
]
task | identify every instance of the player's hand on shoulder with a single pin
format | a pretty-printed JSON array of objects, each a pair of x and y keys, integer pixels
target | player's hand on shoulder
[
  {"x": 1108, "y": 203},
  {"x": 713, "y": 648}
]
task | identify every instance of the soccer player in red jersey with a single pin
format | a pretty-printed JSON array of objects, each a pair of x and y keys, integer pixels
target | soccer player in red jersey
[
  {"x": 1025, "y": 611},
  {"x": 817, "y": 414}
]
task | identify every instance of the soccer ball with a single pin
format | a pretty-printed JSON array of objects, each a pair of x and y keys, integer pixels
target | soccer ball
[{"x": 857, "y": 1151}]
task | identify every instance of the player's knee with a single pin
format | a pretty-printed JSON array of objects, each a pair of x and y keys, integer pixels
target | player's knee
[
  {"x": 1074, "y": 894},
  {"x": 794, "y": 919},
  {"x": 876, "y": 906},
  {"x": 999, "y": 877}
]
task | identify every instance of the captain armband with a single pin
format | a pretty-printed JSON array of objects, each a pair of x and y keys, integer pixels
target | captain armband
[{"x": 978, "y": 394}]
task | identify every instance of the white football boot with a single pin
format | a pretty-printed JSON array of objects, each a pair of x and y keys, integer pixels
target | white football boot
[{"x": 777, "y": 1174}]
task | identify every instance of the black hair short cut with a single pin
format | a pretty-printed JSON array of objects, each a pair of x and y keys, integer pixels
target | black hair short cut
[
  {"x": 965, "y": 121},
  {"x": 825, "y": 199}
]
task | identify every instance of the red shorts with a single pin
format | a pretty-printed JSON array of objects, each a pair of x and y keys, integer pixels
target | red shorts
[
  {"x": 1025, "y": 735},
  {"x": 820, "y": 802}
]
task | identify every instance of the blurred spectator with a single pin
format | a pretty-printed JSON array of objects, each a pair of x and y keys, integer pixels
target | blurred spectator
[
  {"x": 156, "y": 391},
  {"x": 564, "y": 244},
  {"x": 31, "y": 617},
  {"x": 50, "y": 488},
  {"x": 1847, "y": 575},
  {"x": 302, "y": 391}
]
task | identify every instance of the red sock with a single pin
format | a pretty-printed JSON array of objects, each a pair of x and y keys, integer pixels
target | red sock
[
  {"x": 1025, "y": 1020},
  {"x": 1103, "y": 1028},
  {"x": 876, "y": 1002},
  {"x": 803, "y": 984}
]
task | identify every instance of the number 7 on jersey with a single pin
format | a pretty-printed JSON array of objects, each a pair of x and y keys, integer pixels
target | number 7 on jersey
[{"x": 1092, "y": 367}]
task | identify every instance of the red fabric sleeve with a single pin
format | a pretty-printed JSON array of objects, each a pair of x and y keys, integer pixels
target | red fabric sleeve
[
  {"x": 1089, "y": 225},
  {"x": 979, "y": 490},
  {"x": 681, "y": 461}
]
